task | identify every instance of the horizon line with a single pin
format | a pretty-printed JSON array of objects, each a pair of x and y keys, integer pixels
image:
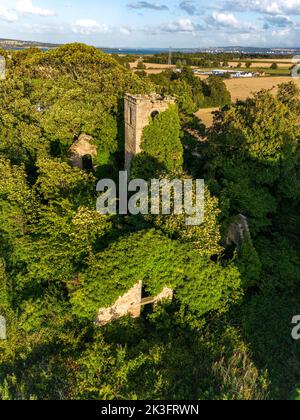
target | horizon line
[{"x": 150, "y": 48}]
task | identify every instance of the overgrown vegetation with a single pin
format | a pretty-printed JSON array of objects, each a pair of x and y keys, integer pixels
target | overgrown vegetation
[{"x": 227, "y": 334}]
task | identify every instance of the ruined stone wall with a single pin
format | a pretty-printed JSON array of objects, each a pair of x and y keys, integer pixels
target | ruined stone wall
[
  {"x": 238, "y": 232},
  {"x": 81, "y": 147},
  {"x": 128, "y": 304},
  {"x": 2, "y": 328},
  {"x": 166, "y": 294},
  {"x": 138, "y": 111}
]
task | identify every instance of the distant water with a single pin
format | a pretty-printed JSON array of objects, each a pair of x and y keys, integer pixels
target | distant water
[
  {"x": 125, "y": 51},
  {"x": 132, "y": 51}
]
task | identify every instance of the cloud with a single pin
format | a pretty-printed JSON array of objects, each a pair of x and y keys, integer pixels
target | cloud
[
  {"x": 228, "y": 24},
  {"x": 275, "y": 7},
  {"x": 27, "y": 7},
  {"x": 224, "y": 20},
  {"x": 189, "y": 7},
  {"x": 177, "y": 26},
  {"x": 279, "y": 21},
  {"x": 146, "y": 5},
  {"x": 7, "y": 15},
  {"x": 126, "y": 30},
  {"x": 89, "y": 27}
]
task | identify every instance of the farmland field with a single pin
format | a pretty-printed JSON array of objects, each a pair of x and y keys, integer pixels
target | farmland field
[
  {"x": 263, "y": 63},
  {"x": 206, "y": 115},
  {"x": 241, "y": 89},
  {"x": 283, "y": 69}
]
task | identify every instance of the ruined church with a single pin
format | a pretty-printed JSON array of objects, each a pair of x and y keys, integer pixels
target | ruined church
[{"x": 139, "y": 109}]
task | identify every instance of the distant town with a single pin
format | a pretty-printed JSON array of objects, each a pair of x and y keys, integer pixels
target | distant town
[
  {"x": 14, "y": 44},
  {"x": 21, "y": 44}
]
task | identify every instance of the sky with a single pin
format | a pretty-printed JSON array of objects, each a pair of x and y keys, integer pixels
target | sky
[{"x": 154, "y": 24}]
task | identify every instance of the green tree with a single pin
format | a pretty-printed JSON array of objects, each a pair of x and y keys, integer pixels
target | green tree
[
  {"x": 289, "y": 94},
  {"x": 159, "y": 262},
  {"x": 179, "y": 64},
  {"x": 216, "y": 93},
  {"x": 141, "y": 66},
  {"x": 204, "y": 238}
]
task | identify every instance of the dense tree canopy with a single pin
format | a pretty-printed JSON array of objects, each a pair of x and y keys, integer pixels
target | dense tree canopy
[
  {"x": 191, "y": 92},
  {"x": 226, "y": 335}
]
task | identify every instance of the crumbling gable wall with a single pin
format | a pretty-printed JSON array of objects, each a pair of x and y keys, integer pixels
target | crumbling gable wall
[
  {"x": 82, "y": 147},
  {"x": 128, "y": 304}
]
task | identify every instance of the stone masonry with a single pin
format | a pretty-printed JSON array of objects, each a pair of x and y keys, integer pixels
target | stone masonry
[
  {"x": 138, "y": 110},
  {"x": 2, "y": 328},
  {"x": 130, "y": 304}
]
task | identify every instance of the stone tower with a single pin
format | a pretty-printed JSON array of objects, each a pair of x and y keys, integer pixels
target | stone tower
[{"x": 138, "y": 110}]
